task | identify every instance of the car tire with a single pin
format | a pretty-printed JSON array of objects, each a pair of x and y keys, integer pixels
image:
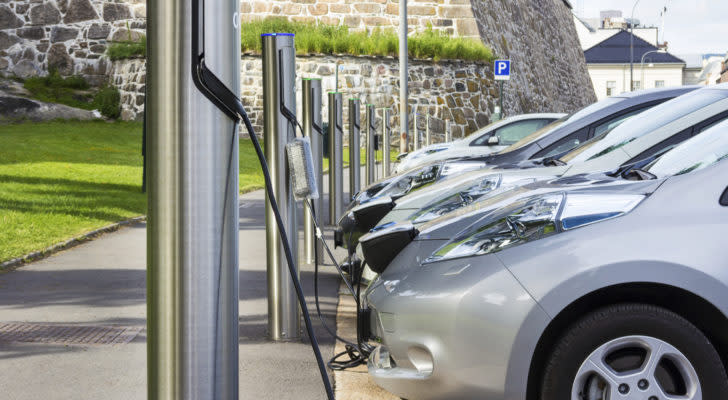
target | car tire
[{"x": 573, "y": 370}]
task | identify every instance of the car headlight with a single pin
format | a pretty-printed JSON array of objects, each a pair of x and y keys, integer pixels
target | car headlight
[
  {"x": 465, "y": 195},
  {"x": 535, "y": 218},
  {"x": 460, "y": 167},
  {"x": 411, "y": 181}
]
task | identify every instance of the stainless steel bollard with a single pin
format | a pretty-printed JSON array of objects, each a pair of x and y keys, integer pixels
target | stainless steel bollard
[
  {"x": 312, "y": 129},
  {"x": 428, "y": 137},
  {"x": 354, "y": 147},
  {"x": 192, "y": 227},
  {"x": 336, "y": 162},
  {"x": 284, "y": 318},
  {"x": 416, "y": 138},
  {"x": 371, "y": 129},
  {"x": 386, "y": 143},
  {"x": 448, "y": 132}
]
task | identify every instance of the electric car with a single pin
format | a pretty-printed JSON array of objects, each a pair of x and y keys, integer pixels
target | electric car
[
  {"x": 556, "y": 138},
  {"x": 637, "y": 139},
  {"x": 616, "y": 291},
  {"x": 492, "y": 138}
]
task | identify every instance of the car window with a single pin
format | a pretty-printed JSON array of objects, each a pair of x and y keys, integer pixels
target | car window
[
  {"x": 615, "y": 122},
  {"x": 512, "y": 133},
  {"x": 535, "y": 135},
  {"x": 565, "y": 144},
  {"x": 652, "y": 120},
  {"x": 701, "y": 151}
]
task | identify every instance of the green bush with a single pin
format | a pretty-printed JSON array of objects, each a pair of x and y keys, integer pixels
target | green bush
[
  {"x": 108, "y": 102},
  {"x": 127, "y": 49},
  {"x": 72, "y": 91}
]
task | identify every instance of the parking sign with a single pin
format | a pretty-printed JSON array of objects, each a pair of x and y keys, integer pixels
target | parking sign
[{"x": 502, "y": 70}]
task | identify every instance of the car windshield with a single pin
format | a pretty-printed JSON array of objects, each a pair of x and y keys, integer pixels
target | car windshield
[
  {"x": 701, "y": 151},
  {"x": 643, "y": 124},
  {"x": 535, "y": 136},
  {"x": 546, "y": 130}
]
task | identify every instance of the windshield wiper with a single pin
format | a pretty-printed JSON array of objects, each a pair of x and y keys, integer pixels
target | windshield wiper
[
  {"x": 638, "y": 175},
  {"x": 553, "y": 162}
]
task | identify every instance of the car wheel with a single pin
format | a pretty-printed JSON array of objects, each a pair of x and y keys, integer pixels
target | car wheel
[{"x": 634, "y": 351}]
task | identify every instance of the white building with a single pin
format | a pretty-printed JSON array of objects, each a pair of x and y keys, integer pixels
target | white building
[{"x": 607, "y": 53}]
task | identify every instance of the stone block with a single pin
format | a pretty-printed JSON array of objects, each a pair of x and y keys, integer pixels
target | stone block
[
  {"x": 31, "y": 32},
  {"x": 45, "y": 14},
  {"x": 367, "y": 8},
  {"x": 318, "y": 9},
  {"x": 25, "y": 69},
  {"x": 59, "y": 59},
  {"x": 8, "y": 19},
  {"x": 62, "y": 34},
  {"x": 352, "y": 21},
  {"x": 456, "y": 11},
  {"x": 98, "y": 31},
  {"x": 116, "y": 11},
  {"x": 79, "y": 10},
  {"x": 7, "y": 40},
  {"x": 123, "y": 34}
]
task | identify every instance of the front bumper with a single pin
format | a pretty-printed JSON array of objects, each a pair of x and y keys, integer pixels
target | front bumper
[{"x": 449, "y": 330}]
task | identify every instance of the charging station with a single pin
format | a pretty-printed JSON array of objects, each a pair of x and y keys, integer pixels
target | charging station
[
  {"x": 312, "y": 122},
  {"x": 279, "y": 128},
  {"x": 370, "y": 169},
  {"x": 192, "y": 217},
  {"x": 428, "y": 136},
  {"x": 336, "y": 162},
  {"x": 354, "y": 147},
  {"x": 448, "y": 131},
  {"x": 386, "y": 143}
]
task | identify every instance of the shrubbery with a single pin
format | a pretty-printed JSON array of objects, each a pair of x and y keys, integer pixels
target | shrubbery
[
  {"x": 127, "y": 49},
  {"x": 108, "y": 102}
]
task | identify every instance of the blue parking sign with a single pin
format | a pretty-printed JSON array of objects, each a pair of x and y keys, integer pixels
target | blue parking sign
[{"x": 502, "y": 70}]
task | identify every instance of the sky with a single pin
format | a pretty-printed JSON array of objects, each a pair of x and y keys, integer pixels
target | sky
[{"x": 691, "y": 26}]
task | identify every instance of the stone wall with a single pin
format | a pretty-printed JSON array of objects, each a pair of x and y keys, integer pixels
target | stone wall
[
  {"x": 70, "y": 36},
  {"x": 462, "y": 92},
  {"x": 130, "y": 76},
  {"x": 549, "y": 71},
  {"x": 452, "y": 16}
]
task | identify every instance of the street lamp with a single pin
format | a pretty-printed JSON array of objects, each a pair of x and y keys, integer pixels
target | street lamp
[
  {"x": 631, "y": 48},
  {"x": 642, "y": 64}
]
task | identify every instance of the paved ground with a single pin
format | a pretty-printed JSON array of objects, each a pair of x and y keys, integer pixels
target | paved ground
[{"x": 84, "y": 291}]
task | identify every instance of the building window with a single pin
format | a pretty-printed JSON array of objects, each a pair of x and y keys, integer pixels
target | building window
[
  {"x": 611, "y": 88},
  {"x": 659, "y": 84},
  {"x": 637, "y": 85}
]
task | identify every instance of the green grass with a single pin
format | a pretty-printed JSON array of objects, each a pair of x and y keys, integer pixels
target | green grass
[
  {"x": 362, "y": 157},
  {"x": 329, "y": 39},
  {"x": 59, "y": 180},
  {"x": 127, "y": 49}
]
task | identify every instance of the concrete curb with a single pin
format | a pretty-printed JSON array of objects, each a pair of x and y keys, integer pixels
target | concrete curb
[{"x": 39, "y": 255}]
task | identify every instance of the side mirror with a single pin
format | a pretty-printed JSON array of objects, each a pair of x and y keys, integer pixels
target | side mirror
[{"x": 493, "y": 141}]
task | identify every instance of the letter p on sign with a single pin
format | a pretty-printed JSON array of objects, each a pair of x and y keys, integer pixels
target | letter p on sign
[{"x": 502, "y": 70}]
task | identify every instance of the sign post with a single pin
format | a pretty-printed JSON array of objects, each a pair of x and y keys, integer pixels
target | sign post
[{"x": 502, "y": 73}]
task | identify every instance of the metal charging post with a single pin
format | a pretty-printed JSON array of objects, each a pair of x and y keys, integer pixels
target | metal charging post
[
  {"x": 428, "y": 137},
  {"x": 386, "y": 143},
  {"x": 192, "y": 218},
  {"x": 336, "y": 162},
  {"x": 371, "y": 128},
  {"x": 279, "y": 107},
  {"x": 312, "y": 129},
  {"x": 416, "y": 138},
  {"x": 354, "y": 147},
  {"x": 448, "y": 131}
]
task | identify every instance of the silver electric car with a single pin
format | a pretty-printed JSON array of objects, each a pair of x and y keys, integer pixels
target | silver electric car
[
  {"x": 605, "y": 291},
  {"x": 490, "y": 139}
]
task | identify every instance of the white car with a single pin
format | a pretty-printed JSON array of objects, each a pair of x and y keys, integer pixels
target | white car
[{"x": 490, "y": 139}]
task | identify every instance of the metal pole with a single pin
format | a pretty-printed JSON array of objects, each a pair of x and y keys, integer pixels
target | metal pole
[
  {"x": 336, "y": 162},
  {"x": 502, "y": 112},
  {"x": 386, "y": 144},
  {"x": 284, "y": 318},
  {"x": 312, "y": 122},
  {"x": 403, "y": 77},
  {"x": 192, "y": 225},
  {"x": 354, "y": 147},
  {"x": 371, "y": 121},
  {"x": 448, "y": 132},
  {"x": 428, "y": 137},
  {"x": 631, "y": 48},
  {"x": 416, "y": 138}
]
